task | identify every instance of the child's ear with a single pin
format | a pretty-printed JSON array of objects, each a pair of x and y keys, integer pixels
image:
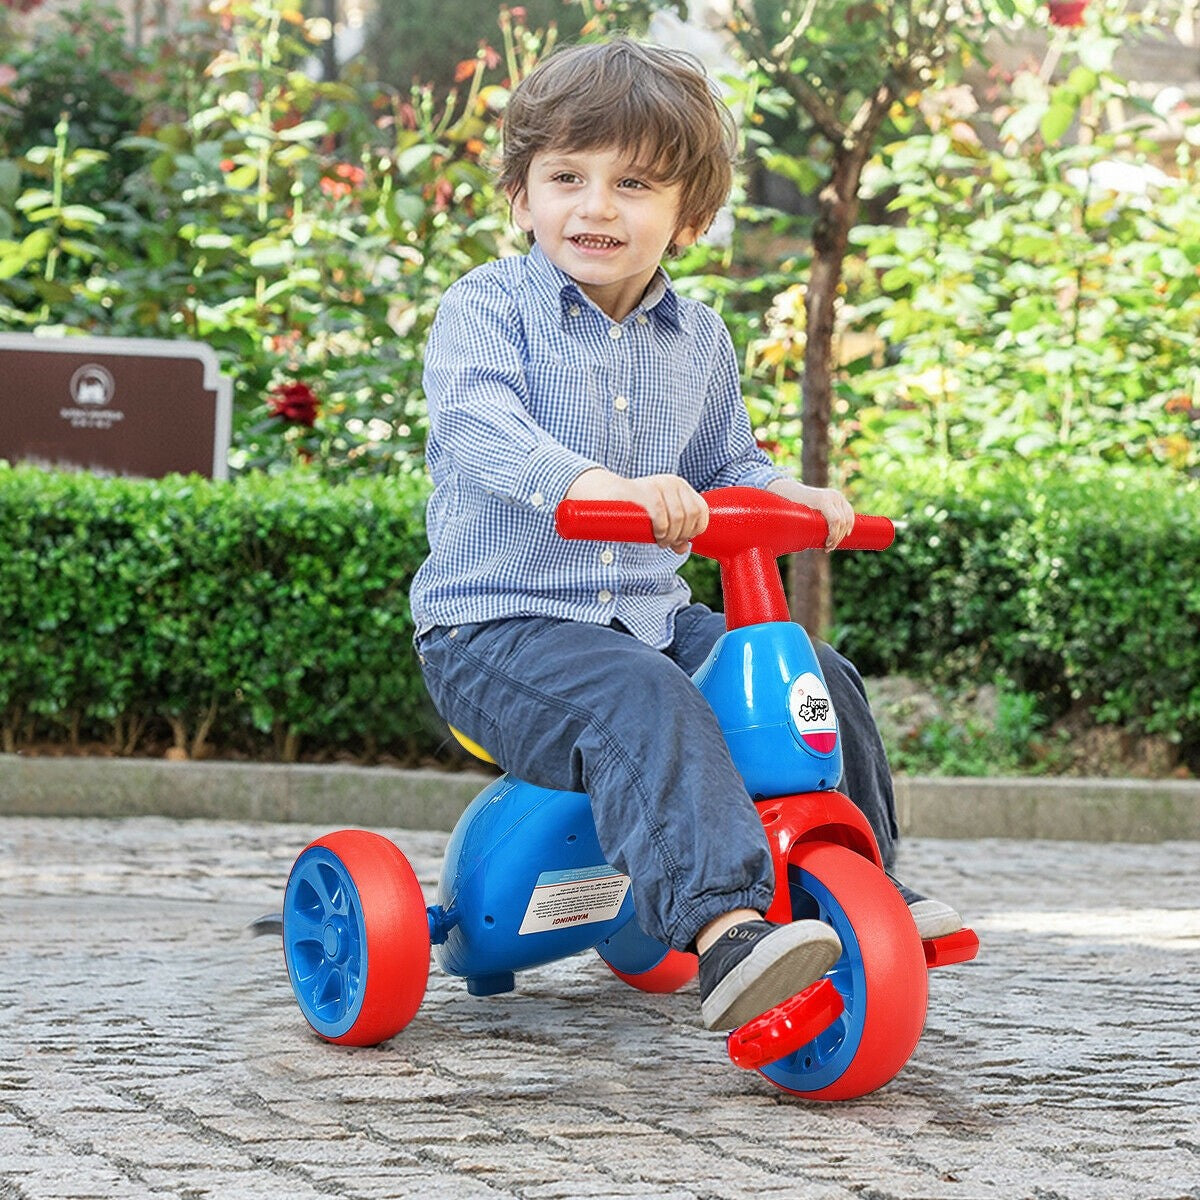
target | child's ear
[
  {"x": 685, "y": 236},
  {"x": 518, "y": 201}
]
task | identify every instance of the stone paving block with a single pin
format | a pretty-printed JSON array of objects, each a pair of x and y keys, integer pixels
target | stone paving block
[{"x": 149, "y": 1048}]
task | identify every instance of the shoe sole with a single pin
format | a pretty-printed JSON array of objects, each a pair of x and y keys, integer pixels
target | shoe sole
[
  {"x": 779, "y": 967},
  {"x": 934, "y": 919}
]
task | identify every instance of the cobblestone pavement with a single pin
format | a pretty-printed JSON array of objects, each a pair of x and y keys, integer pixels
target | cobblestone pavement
[{"x": 149, "y": 1048}]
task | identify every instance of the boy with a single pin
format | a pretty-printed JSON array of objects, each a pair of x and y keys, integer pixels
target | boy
[{"x": 577, "y": 372}]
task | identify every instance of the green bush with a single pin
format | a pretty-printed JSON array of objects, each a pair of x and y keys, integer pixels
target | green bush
[
  {"x": 1077, "y": 588},
  {"x": 269, "y": 617},
  {"x": 266, "y": 616}
]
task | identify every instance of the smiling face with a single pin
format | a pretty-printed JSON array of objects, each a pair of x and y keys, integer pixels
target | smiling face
[{"x": 603, "y": 219}]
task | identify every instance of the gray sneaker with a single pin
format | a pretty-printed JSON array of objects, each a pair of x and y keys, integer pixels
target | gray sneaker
[
  {"x": 756, "y": 965},
  {"x": 934, "y": 918}
]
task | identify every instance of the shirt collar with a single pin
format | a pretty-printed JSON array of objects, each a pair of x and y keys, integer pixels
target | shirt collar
[{"x": 659, "y": 300}]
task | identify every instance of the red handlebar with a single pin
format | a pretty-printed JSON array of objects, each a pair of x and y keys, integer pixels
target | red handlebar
[{"x": 748, "y": 529}]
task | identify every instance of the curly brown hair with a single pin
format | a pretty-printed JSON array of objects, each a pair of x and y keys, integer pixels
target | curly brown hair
[{"x": 656, "y": 103}]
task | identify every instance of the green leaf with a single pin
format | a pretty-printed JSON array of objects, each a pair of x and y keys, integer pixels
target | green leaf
[
  {"x": 1098, "y": 53},
  {"x": 304, "y": 131},
  {"x": 242, "y": 178},
  {"x": 1058, "y": 119},
  {"x": 409, "y": 208},
  {"x": 271, "y": 254},
  {"x": 897, "y": 278},
  {"x": 407, "y": 161},
  {"x": 34, "y": 198},
  {"x": 12, "y": 264},
  {"x": 81, "y": 216},
  {"x": 1082, "y": 81}
]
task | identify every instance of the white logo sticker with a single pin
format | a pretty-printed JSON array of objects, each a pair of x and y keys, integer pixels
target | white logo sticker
[{"x": 812, "y": 713}]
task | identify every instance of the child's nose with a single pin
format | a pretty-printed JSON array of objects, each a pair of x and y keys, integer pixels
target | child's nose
[{"x": 596, "y": 202}]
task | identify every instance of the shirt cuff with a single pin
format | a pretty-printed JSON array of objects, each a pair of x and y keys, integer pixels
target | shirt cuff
[
  {"x": 756, "y": 476},
  {"x": 547, "y": 476}
]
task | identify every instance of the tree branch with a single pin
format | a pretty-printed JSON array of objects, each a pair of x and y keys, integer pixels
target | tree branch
[{"x": 773, "y": 62}]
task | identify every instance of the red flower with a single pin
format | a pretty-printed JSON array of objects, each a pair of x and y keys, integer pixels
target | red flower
[
  {"x": 346, "y": 177},
  {"x": 294, "y": 402},
  {"x": 443, "y": 195},
  {"x": 1067, "y": 13},
  {"x": 22, "y": 6},
  {"x": 489, "y": 56}
]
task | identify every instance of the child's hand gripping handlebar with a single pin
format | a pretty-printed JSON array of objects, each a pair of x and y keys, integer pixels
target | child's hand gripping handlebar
[{"x": 748, "y": 530}]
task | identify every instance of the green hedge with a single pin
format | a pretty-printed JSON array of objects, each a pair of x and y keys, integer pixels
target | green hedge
[
  {"x": 262, "y": 615},
  {"x": 1080, "y": 588},
  {"x": 269, "y": 616}
]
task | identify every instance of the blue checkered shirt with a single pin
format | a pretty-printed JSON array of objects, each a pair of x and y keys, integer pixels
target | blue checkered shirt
[{"x": 529, "y": 384}]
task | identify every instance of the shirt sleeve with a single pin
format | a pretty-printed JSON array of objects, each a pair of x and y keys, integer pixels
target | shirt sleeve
[
  {"x": 477, "y": 393},
  {"x": 723, "y": 451}
]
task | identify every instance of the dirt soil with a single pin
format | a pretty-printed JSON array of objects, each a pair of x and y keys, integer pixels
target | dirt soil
[{"x": 905, "y": 710}]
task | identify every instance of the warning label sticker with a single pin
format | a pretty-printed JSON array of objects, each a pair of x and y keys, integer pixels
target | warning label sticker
[{"x": 579, "y": 897}]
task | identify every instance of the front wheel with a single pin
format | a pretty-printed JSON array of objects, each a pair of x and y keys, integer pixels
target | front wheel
[
  {"x": 355, "y": 937},
  {"x": 881, "y": 976}
]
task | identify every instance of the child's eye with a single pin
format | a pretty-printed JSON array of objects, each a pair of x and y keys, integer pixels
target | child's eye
[
  {"x": 633, "y": 184},
  {"x": 564, "y": 177}
]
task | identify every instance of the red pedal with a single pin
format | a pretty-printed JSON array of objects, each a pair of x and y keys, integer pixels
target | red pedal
[
  {"x": 953, "y": 948},
  {"x": 782, "y": 1030}
]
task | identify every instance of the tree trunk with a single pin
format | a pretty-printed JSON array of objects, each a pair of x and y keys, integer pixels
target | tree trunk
[
  {"x": 330, "y": 67},
  {"x": 809, "y": 576}
]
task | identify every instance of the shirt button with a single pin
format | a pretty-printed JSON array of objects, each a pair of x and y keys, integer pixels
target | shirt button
[
  {"x": 537, "y": 499},
  {"x": 606, "y": 557},
  {"x": 614, "y": 332},
  {"x": 453, "y": 632},
  {"x": 574, "y": 310},
  {"x": 621, "y": 403},
  {"x": 604, "y": 596},
  {"x": 643, "y": 319}
]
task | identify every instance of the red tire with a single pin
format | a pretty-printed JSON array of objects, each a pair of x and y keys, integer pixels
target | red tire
[
  {"x": 355, "y": 937},
  {"x": 881, "y": 976},
  {"x": 675, "y": 971}
]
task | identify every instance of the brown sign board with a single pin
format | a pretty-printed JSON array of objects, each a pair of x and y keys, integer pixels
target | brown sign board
[{"x": 143, "y": 407}]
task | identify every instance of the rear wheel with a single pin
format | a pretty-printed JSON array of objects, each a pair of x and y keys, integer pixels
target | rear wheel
[
  {"x": 355, "y": 937},
  {"x": 675, "y": 971},
  {"x": 881, "y": 976}
]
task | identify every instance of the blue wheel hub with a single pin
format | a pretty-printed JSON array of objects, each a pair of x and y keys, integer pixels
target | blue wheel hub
[
  {"x": 325, "y": 942},
  {"x": 823, "y": 1061}
]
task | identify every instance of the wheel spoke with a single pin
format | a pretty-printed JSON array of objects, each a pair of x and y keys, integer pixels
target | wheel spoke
[
  {"x": 328, "y": 991},
  {"x": 303, "y": 925},
  {"x": 333, "y": 890}
]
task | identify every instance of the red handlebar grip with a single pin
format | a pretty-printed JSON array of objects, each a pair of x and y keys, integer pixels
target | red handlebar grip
[
  {"x": 603, "y": 520},
  {"x": 869, "y": 533},
  {"x": 624, "y": 521}
]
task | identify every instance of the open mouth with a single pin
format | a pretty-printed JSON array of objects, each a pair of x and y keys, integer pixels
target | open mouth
[{"x": 594, "y": 241}]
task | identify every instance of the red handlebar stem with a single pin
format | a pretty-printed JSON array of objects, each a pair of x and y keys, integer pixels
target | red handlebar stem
[{"x": 748, "y": 531}]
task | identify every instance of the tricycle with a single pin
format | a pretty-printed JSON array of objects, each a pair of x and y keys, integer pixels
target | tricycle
[{"x": 524, "y": 881}]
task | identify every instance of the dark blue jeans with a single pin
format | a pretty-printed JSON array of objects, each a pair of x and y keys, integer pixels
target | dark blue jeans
[{"x": 589, "y": 708}]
